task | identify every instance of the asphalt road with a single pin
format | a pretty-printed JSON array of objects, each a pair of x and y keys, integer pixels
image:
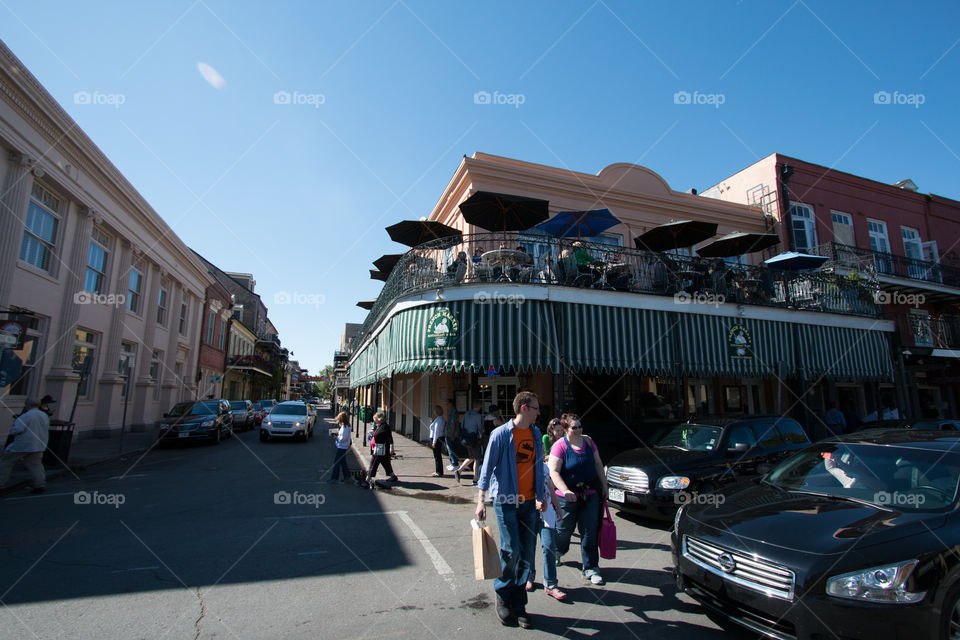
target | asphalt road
[{"x": 244, "y": 540}]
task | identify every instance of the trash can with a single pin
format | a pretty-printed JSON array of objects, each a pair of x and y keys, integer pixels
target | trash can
[
  {"x": 58, "y": 445},
  {"x": 366, "y": 414}
]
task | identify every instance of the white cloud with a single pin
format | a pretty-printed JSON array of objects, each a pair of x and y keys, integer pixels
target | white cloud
[{"x": 210, "y": 74}]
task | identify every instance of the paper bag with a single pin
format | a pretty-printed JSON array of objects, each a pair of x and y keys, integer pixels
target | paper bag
[
  {"x": 486, "y": 556},
  {"x": 608, "y": 536}
]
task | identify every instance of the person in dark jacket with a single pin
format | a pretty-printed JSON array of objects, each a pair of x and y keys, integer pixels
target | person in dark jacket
[{"x": 382, "y": 449}]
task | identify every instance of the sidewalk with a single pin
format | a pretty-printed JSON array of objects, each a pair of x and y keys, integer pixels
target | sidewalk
[
  {"x": 86, "y": 452},
  {"x": 414, "y": 466}
]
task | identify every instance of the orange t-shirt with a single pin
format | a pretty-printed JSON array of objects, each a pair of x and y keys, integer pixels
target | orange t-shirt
[{"x": 526, "y": 469}]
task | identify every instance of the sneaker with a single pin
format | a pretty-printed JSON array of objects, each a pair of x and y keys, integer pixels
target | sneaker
[
  {"x": 554, "y": 592},
  {"x": 523, "y": 619},
  {"x": 456, "y": 474},
  {"x": 506, "y": 616},
  {"x": 592, "y": 576},
  {"x": 450, "y": 467}
]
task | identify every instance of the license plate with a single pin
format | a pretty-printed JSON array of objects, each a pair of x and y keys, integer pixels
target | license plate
[
  {"x": 183, "y": 435},
  {"x": 615, "y": 494}
]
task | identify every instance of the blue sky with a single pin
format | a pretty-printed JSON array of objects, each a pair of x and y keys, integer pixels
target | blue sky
[{"x": 382, "y": 108}]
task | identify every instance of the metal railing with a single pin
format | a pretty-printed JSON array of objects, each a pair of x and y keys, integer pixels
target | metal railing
[
  {"x": 934, "y": 331},
  {"x": 889, "y": 264},
  {"x": 497, "y": 258}
]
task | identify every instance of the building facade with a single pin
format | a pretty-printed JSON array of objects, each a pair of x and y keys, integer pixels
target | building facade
[
  {"x": 904, "y": 240},
  {"x": 108, "y": 297},
  {"x": 213, "y": 341}
]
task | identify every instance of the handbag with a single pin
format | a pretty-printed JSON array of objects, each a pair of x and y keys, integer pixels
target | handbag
[
  {"x": 380, "y": 449},
  {"x": 608, "y": 535},
  {"x": 486, "y": 556}
]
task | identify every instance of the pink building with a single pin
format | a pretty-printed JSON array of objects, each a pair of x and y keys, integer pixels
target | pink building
[{"x": 904, "y": 239}]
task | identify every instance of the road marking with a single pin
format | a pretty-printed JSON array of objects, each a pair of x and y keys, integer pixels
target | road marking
[
  {"x": 136, "y": 475},
  {"x": 136, "y": 569},
  {"x": 42, "y": 495},
  {"x": 438, "y": 562},
  {"x": 337, "y": 515},
  {"x": 310, "y": 553}
]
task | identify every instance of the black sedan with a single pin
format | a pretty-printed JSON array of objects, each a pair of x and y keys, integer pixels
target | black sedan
[
  {"x": 854, "y": 537},
  {"x": 208, "y": 420}
]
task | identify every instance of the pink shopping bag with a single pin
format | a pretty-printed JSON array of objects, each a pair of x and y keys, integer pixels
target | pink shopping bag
[{"x": 608, "y": 535}]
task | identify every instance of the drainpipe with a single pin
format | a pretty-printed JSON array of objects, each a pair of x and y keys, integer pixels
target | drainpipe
[{"x": 785, "y": 171}]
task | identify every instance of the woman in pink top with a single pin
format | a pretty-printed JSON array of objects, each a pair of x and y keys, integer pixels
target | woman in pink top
[{"x": 577, "y": 472}]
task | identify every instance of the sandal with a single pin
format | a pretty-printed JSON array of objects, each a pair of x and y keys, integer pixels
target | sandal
[
  {"x": 436, "y": 475},
  {"x": 530, "y": 586},
  {"x": 554, "y": 592}
]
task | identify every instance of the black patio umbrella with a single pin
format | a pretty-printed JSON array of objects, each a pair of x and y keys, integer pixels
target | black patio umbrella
[
  {"x": 675, "y": 235},
  {"x": 387, "y": 262},
  {"x": 366, "y": 304},
  {"x": 416, "y": 232},
  {"x": 737, "y": 244},
  {"x": 503, "y": 212},
  {"x": 379, "y": 275}
]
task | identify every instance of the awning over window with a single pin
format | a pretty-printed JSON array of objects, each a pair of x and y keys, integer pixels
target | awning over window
[
  {"x": 736, "y": 347},
  {"x": 616, "y": 339},
  {"x": 840, "y": 353}
]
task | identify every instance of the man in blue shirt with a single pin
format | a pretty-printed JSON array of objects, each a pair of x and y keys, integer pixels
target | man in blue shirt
[{"x": 518, "y": 491}]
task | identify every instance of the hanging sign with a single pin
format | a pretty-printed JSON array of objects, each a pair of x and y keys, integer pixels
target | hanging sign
[{"x": 443, "y": 331}]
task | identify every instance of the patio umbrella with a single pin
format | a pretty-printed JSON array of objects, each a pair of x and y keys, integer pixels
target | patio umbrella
[
  {"x": 366, "y": 304},
  {"x": 737, "y": 244},
  {"x": 502, "y": 211},
  {"x": 387, "y": 262},
  {"x": 379, "y": 275},
  {"x": 415, "y": 232},
  {"x": 793, "y": 261},
  {"x": 676, "y": 235},
  {"x": 579, "y": 224}
]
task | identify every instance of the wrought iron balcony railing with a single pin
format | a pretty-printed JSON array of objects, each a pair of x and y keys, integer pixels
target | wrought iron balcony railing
[
  {"x": 931, "y": 331},
  {"x": 499, "y": 258},
  {"x": 889, "y": 264}
]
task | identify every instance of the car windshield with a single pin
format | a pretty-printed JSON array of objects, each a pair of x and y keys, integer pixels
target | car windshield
[
  {"x": 289, "y": 410},
  {"x": 204, "y": 408},
  {"x": 264, "y": 404},
  {"x": 902, "y": 477},
  {"x": 692, "y": 437},
  {"x": 238, "y": 405},
  {"x": 180, "y": 409}
]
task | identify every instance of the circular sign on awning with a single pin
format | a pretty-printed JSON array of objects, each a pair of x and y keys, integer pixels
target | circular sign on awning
[{"x": 443, "y": 331}]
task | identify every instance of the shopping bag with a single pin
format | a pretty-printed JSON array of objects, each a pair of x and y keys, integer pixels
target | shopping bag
[
  {"x": 380, "y": 449},
  {"x": 608, "y": 535},
  {"x": 486, "y": 556}
]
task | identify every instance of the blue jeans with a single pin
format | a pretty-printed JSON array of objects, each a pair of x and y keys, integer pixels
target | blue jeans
[
  {"x": 585, "y": 516},
  {"x": 518, "y": 526},
  {"x": 548, "y": 540},
  {"x": 340, "y": 464},
  {"x": 454, "y": 460}
]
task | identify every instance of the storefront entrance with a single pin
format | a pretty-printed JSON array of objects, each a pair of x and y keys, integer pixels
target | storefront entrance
[{"x": 499, "y": 390}]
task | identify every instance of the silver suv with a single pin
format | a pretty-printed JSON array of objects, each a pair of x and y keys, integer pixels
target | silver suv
[{"x": 291, "y": 419}]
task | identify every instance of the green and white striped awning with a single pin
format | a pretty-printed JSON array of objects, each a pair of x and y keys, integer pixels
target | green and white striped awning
[
  {"x": 841, "y": 353},
  {"x": 736, "y": 347},
  {"x": 616, "y": 339},
  {"x": 519, "y": 336}
]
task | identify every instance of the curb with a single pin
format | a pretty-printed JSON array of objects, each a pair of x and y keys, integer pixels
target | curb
[{"x": 61, "y": 471}]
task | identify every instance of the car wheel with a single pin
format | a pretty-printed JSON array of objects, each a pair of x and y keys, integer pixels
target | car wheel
[{"x": 950, "y": 615}]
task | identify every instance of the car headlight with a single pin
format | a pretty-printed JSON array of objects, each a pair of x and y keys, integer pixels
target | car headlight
[
  {"x": 296, "y": 424},
  {"x": 673, "y": 482},
  {"x": 164, "y": 427},
  {"x": 208, "y": 423},
  {"x": 877, "y": 584}
]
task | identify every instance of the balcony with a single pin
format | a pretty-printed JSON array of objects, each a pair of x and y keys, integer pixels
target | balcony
[
  {"x": 341, "y": 356},
  {"x": 252, "y": 363},
  {"x": 547, "y": 261},
  {"x": 890, "y": 265},
  {"x": 929, "y": 331}
]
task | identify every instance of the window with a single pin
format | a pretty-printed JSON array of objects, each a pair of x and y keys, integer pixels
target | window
[
  {"x": 220, "y": 334},
  {"x": 741, "y": 435},
  {"x": 211, "y": 320},
  {"x": 879, "y": 244},
  {"x": 84, "y": 353},
  {"x": 842, "y": 228},
  {"x": 28, "y": 353},
  {"x": 40, "y": 231},
  {"x": 156, "y": 361},
  {"x": 183, "y": 318},
  {"x": 804, "y": 227},
  {"x": 913, "y": 249},
  {"x": 792, "y": 432},
  {"x": 162, "y": 306},
  {"x": 133, "y": 290},
  {"x": 95, "y": 279}
]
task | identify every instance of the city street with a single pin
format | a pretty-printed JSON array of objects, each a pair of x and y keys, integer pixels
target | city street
[{"x": 245, "y": 540}]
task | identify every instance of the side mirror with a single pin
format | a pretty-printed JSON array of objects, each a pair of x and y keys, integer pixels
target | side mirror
[{"x": 740, "y": 447}]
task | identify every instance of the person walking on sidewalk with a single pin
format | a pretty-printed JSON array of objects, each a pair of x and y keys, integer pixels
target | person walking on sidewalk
[
  {"x": 471, "y": 430},
  {"x": 511, "y": 473},
  {"x": 548, "y": 541},
  {"x": 450, "y": 434},
  {"x": 490, "y": 422},
  {"x": 30, "y": 434},
  {"x": 382, "y": 449},
  {"x": 437, "y": 441},
  {"x": 343, "y": 445},
  {"x": 577, "y": 472}
]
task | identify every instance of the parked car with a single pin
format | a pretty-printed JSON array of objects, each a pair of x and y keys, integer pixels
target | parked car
[
  {"x": 290, "y": 419},
  {"x": 698, "y": 458},
  {"x": 854, "y": 538},
  {"x": 202, "y": 420},
  {"x": 939, "y": 424},
  {"x": 243, "y": 414},
  {"x": 262, "y": 409}
]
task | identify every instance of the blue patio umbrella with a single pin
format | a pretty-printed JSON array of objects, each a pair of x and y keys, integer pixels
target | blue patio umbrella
[
  {"x": 579, "y": 224},
  {"x": 794, "y": 261}
]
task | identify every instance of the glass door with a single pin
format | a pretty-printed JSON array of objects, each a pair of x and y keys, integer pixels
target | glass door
[{"x": 880, "y": 245}]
